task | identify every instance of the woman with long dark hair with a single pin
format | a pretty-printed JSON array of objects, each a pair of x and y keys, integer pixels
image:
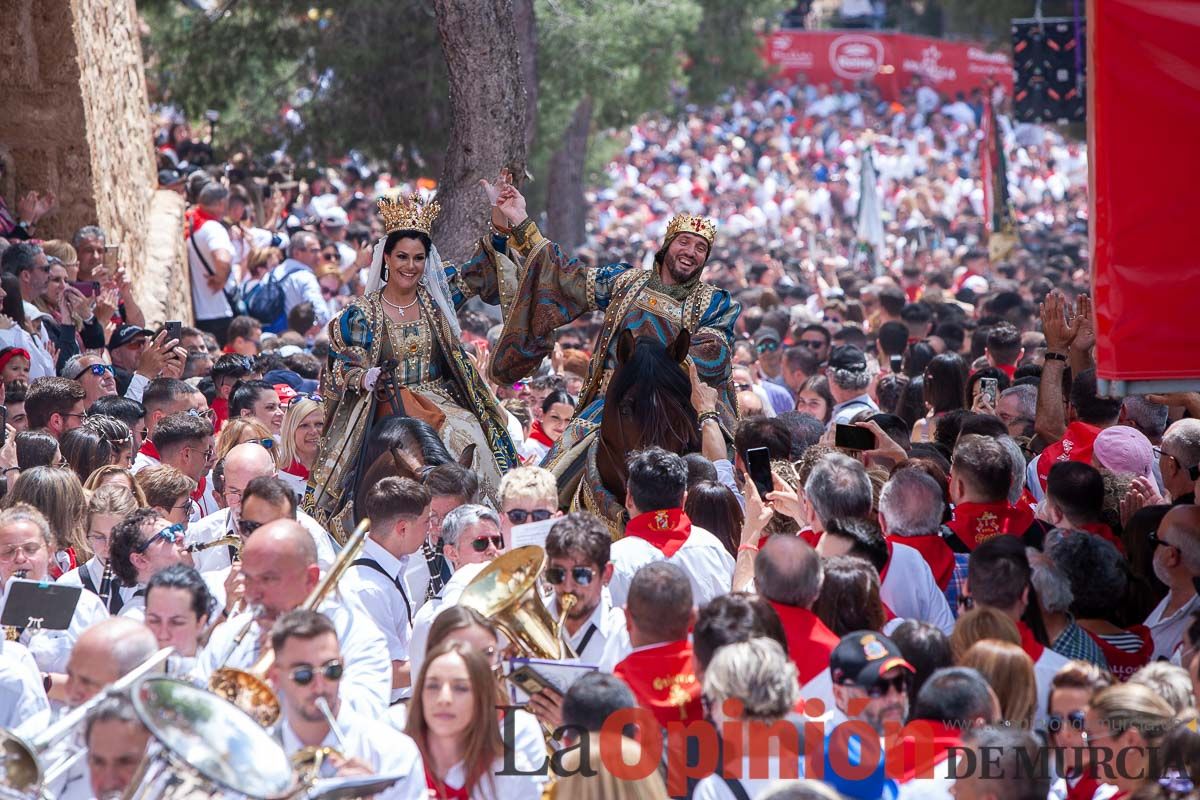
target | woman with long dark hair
[
  {"x": 712, "y": 506},
  {"x": 944, "y": 381},
  {"x": 398, "y": 349}
]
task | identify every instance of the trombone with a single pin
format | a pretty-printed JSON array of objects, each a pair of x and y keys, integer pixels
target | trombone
[
  {"x": 22, "y": 772},
  {"x": 247, "y": 688}
]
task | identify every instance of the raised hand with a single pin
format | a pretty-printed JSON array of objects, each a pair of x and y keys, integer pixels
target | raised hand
[
  {"x": 1058, "y": 330},
  {"x": 1085, "y": 325}
]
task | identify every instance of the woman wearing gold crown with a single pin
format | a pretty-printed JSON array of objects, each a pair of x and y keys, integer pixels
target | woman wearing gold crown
[{"x": 398, "y": 349}]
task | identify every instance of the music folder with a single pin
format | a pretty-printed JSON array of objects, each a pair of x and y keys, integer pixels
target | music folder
[
  {"x": 536, "y": 674},
  {"x": 39, "y": 604}
]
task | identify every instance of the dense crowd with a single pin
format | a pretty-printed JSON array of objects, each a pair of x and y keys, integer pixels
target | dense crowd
[{"x": 954, "y": 532}]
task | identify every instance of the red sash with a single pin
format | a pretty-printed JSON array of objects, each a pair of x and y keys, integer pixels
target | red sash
[
  {"x": 1076, "y": 445},
  {"x": 975, "y": 523},
  {"x": 148, "y": 449},
  {"x": 935, "y": 551},
  {"x": 809, "y": 640},
  {"x": 666, "y": 529},
  {"x": 220, "y": 407},
  {"x": 943, "y": 738},
  {"x": 663, "y": 680},
  {"x": 1007, "y": 369},
  {"x": 1084, "y": 787},
  {"x": 1032, "y": 647},
  {"x": 199, "y": 493},
  {"x": 198, "y": 217},
  {"x": 538, "y": 434},
  {"x": 441, "y": 790}
]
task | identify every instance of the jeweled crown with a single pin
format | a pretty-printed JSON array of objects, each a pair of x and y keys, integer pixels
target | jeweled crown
[
  {"x": 690, "y": 223},
  {"x": 408, "y": 213}
]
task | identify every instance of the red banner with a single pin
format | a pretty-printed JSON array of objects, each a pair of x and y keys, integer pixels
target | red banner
[
  {"x": 889, "y": 60},
  {"x": 1143, "y": 127}
]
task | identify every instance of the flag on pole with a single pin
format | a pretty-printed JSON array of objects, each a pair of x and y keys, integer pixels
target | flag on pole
[
  {"x": 997, "y": 205},
  {"x": 869, "y": 231}
]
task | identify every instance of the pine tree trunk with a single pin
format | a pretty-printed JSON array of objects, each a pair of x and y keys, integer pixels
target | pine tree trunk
[
  {"x": 565, "y": 206},
  {"x": 525, "y": 22},
  {"x": 487, "y": 115}
]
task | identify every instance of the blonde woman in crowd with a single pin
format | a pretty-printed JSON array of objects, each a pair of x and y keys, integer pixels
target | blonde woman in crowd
[
  {"x": 1009, "y": 670},
  {"x": 1132, "y": 720},
  {"x": 299, "y": 441}
]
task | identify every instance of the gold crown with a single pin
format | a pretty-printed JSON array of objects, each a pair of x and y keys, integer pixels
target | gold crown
[
  {"x": 408, "y": 213},
  {"x": 688, "y": 223}
]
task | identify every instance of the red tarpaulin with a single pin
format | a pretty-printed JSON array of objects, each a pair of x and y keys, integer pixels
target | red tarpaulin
[
  {"x": 1143, "y": 137},
  {"x": 889, "y": 60}
]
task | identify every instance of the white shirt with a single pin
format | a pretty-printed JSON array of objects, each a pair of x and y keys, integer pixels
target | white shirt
[
  {"x": 1167, "y": 632},
  {"x": 423, "y": 619},
  {"x": 911, "y": 592},
  {"x": 95, "y": 571},
  {"x": 605, "y": 625},
  {"x": 714, "y": 787},
  {"x": 141, "y": 461},
  {"x": 386, "y": 603},
  {"x": 220, "y": 523},
  {"x": 703, "y": 558},
  {"x": 844, "y": 412},
  {"x": 1044, "y": 670},
  {"x": 41, "y": 365},
  {"x": 21, "y": 692},
  {"x": 52, "y": 649},
  {"x": 381, "y": 747},
  {"x": 532, "y": 451},
  {"x": 135, "y": 604},
  {"x": 299, "y": 285},
  {"x": 209, "y": 240},
  {"x": 496, "y": 786},
  {"x": 366, "y": 685}
]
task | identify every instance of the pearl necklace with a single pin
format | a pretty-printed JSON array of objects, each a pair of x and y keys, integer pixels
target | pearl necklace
[{"x": 399, "y": 308}]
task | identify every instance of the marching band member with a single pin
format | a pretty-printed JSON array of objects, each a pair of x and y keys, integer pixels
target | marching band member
[
  {"x": 22, "y": 690},
  {"x": 309, "y": 667},
  {"x": 279, "y": 567},
  {"x": 399, "y": 512},
  {"x": 144, "y": 543},
  {"x": 178, "y": 607},
  {"x": 116, "y": 742},
  {"x": 105, "y": 509},
  {"x": 453, "y": 720},
  {"x": 25, "y": 544},
  {"x": 527, "y": 494}
]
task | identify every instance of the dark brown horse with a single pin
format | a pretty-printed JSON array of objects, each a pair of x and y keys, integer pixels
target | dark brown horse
[{"x": 647, "y": 404}]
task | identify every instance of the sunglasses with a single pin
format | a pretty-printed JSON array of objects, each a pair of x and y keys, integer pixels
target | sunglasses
[
  {"x": 811, "y": 345},
  {"x": 741, "y": 387},
  {"x": 1057, "y": 722},
  {"x": 330, "y": 671},
  {"x": 481, "y": 544},
  {"x": 171, "y": 533},
  {"x": 99, "y": 369},
  {"x": 518, "y": 516},
  {"x": 267, "y": 443},
  {"x": 767, "y": 347},
  {"x": 581, "y": 575},
  {"x": 248, "y": 526},
  {"x": 900, "y": 683}
]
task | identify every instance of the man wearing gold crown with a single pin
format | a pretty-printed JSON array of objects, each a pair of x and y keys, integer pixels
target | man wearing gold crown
[
  {"x": 401, "y": 345},
  {"x": 555, "y": 289}
]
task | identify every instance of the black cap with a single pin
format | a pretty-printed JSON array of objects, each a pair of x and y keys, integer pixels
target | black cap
[
  {"x": 126, "y": 334},
  {"x": 862, "y": 657},
  {"x": 847, "y": 357},
  {"x": 767, "y": 334},
  {"x": 169, "y": 177}
]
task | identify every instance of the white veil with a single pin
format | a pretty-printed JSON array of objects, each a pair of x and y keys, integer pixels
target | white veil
[{"x": 434, "y": 281}]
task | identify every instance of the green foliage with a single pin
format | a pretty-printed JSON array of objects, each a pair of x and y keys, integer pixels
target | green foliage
[
  {"x": 726, "y": 47},
  {"x": 990, "y": 20}
]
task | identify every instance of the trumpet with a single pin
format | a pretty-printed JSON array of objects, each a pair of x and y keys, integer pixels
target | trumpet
[
  {"x": 21, "y": 769},
  {"x": 247, "y": 688},
  {"x": 308, "y": 761},
  {"x": 231, "y": 539}
]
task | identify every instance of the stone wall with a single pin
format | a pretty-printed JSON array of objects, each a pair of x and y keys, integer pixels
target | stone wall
[{"x": 75, "y": 119}]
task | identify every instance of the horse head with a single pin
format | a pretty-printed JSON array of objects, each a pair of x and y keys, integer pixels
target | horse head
[
  {"x": 647, "y": 404},
  {"x": 401, "y": 447}
]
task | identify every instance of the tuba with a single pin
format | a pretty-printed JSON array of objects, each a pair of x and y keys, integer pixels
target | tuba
[
  {"x": 506, "y": 593},
  {"x": 248, "y": 689},
  {"x": 23, "y": 772}
]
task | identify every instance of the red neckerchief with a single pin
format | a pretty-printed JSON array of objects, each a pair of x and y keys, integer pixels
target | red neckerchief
[
  {"x": 148, "y": 449},
  {"x": 943, "y": 737},
  {"x": 538, "y": 434},
  {"x": 56, "y": 571},
  {"x": 1105, "y": 533},
  {"x": 1007, "y": 369},
  {"x": 199, "y": 493},
  {"x": 975, "y": 523},
  {"x": 220, "y": 407},
  {"x": 1084, "y": 788},
  {"x": 297, "y": 469},
  {"x": 884, "y": 571},
  {"x": 441, "y": 790},
  {"x": 935, "y": 551},
  {"x": 1032, "y": 647},
  {"x": 198, "y": 217},
  {"x": 663, "y": 679},
  {"x": 809, "y": 640},
  {"x": 1076, "y": 445},
  {"x": 1121, "y": 663},
  {"x": 666, "y": 529}
]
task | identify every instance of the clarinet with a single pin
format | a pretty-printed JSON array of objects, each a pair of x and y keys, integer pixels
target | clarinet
[
  {"x": 435, "y": 570},
  {"x": 106, "y": 584}
]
